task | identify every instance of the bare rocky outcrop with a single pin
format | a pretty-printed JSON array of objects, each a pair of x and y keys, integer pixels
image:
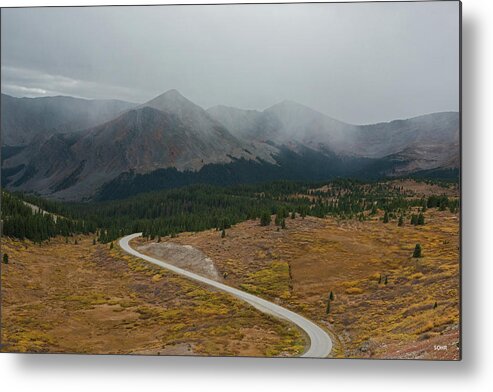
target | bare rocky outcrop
[{"x": 183, "y": 256}]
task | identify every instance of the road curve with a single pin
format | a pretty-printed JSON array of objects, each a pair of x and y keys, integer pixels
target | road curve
[{"x": 320, "y": 342}]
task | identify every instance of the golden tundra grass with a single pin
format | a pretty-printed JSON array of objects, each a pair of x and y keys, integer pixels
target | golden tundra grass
[
  {"x": 82, "y": 298},
  {"x": 299, "y": 266}
]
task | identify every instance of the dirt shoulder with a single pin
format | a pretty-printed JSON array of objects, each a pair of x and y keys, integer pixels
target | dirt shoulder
[{"x": 182, "y": 256}]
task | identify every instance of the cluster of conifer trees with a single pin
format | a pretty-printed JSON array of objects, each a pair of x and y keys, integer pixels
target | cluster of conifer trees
[
  {"x": 20, "y": 221},
  {"x": 201, "y": 207}
]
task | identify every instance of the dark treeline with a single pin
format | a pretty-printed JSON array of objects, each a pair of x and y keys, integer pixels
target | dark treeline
[
  {"x": 192, "y": 208},
  {"x": 201, "y": 207},
  {"x": 307, "y": 165},
  {"x": 20, "y": 221}
]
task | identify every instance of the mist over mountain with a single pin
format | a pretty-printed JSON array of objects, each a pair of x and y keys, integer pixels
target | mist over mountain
[
  {"x": 247, "y": 124},
  {"x": 168, "y": 131},
  {"x": 382, "y": 139},
  {"x": 170, "y": 141},
  {"x": 289, "y": 122},
  {"x": 24, "y": 119}
]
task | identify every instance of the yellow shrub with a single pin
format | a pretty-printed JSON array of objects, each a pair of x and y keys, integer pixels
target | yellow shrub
[
  {"x": 354, "y": 290},
  {"x": 417, "y": 275},
  {"x": 376, "y": 276},
  {"x": 426, "y": 327}
]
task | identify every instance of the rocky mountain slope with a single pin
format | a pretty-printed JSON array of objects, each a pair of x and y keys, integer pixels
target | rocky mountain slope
[
  {"x": 168, "y": 131},
  {"x": 221, "y": 145},
  {"x": 289, "y": 123},
  {"x": 24, "y": 119}
]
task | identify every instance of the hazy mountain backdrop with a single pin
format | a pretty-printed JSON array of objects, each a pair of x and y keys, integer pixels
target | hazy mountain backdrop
[
  {"x": 74, "y": 149},
  {"x": 23, "y": 119}
]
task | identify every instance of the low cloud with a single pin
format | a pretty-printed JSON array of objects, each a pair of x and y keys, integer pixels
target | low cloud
[
  {"x": 357, "y": 62},
  {"x": 32, "y": 83}
]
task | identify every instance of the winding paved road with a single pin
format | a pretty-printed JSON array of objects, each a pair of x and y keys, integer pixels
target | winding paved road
[{"x": 320, "y": 342}]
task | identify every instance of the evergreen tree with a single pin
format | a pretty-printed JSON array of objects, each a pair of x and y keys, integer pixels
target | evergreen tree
[
  {"x": 386, "y": 217},
  {"x": 331, "y": 296},
  {"x": 223, "y": 233},
  {"x": 111, "y": 245},
  {"x": 401, "y": 221},
  {"x": 417, "y": 251},
  {"x": 327, "y": 310},
  {"x": 283, "y": 223},
  {"x": 201, "y": 207},
  {"x": 380, "y": 279},
  {"x": 386, "y": 280},
  {"x": 5, "y": 258},
  {"x": 421, "y": 219},
  {"x": 435, "y": 305},
  {"x": 278, "y": 220},
  {"x": 265, "y": 219}
]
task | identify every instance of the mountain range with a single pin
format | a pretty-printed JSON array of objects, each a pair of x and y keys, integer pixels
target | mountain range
[
  {"x": 74, "y": 149},
  {"x": 23, "y": 119}
]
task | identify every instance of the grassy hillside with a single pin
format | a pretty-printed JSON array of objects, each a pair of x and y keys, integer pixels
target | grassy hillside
[
  {"x": 386, "y": 303},
  {"x": 291, "y": 242},
  {"x": 85, "y": 298}
]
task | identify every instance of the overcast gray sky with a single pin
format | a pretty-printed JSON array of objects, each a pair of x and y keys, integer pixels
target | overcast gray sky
[{"x": 360, "y": 63}]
